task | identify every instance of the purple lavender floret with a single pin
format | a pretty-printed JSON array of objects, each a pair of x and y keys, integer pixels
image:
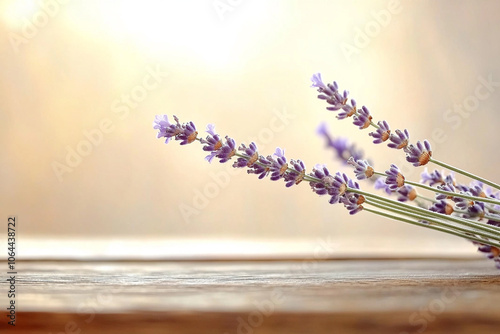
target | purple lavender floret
[
  {"x": 435, "y": 177},
  {"x": 362, "y": 168},
  {"x": 419, "y": 154},
  {"x": 442, "y": 207},
  {"x": 339, "y": 187},
  {"x": 318, "y": 82},
  {"x": 463, "y": 203},
  {"x": 476, "y": 189},
  {"x": 297, "y": 175},
  {"x": 446, "y": 187},
  {"x": 330, "y": 93},
  {"x": 227, "y": 151},
  {"x": 399, "y": 139},
  {"x": 491, "y": 252},
  {"x": 475, "y": 210},
  {"x": 406, "y": 193},
  {"x": 380, "y": 184},
  {"x": 213, "y": 141},
  {"x": 188, "y": 133},
  {"x": 278, "y": 166},
  {"x": 382, "y": 133},
  {"x": 261, "y": 168},
  {"x": 394, "y": 178},
  {"x": 362, "y": 119},
  {"x": 352, "y": 202},
  {"x": 322, "y": 173},
  {"x": 251, "y": 156},
  {"x": 340, "y": 145},
  {"x": 165, "y": 128},
  {"x": 347, "y": 110}
]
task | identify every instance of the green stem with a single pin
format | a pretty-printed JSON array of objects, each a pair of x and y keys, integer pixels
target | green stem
[
  {"x": 433, "y": 227},
  {"x": 454, "y": 194},
  {"x": 460, "y": 171},
  {"x": 428, "y": 213},
  {"x": 494, "y": 236}
]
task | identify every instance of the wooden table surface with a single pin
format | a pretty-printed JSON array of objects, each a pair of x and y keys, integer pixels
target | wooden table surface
[{"x": 301, "y": 296}]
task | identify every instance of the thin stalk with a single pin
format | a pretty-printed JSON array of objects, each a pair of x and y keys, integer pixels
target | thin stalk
[
  {"x": 466, "y": 222},
  {"x": 494, "y": 236},
  {"x": 433, "y": 227},
  {"x": 463, "y": 172},
  {"x": 453, "y": 194},
  {"x": 449, "y": 193}
]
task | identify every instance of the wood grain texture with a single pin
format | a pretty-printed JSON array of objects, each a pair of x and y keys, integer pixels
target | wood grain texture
[{"x": 352, "y": 296}]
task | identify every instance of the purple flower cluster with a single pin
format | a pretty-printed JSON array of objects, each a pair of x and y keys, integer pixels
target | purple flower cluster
[
  {"x": 186, "y": 133},
  {"x": 363, "y": 119},
  {"x": 394, "y": 178},
  {"x": 399, "y": 139},
  {"x": 362, "y": 168},
  {"x": 436, "y": 177},
  {"x": 330, "y": 93},
  {"x": 477, "y": 206},
  {"x": 217, "y": 148},
  {"x": 419, "y": 154}
]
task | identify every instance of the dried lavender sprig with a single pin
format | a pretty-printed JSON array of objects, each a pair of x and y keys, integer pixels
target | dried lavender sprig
[
  {"x": 345, "y": 190},
  {"x": 418, "y": 155}
]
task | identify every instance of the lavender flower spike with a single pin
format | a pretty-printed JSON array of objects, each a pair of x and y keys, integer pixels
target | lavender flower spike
[
  {"x": 330, "y": 93},
  {"x": 362, "y": 168},
  {"x": 394, "y": 178},
  {"x": 382, "y": 133},
  {"x": 399, "y": 140},
  {"x": 419, "y": 154}
]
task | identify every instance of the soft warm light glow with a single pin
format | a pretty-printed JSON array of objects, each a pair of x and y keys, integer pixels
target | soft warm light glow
[
  {"x": 182, "y": 27},
  {"x": 15, "y": 11}
]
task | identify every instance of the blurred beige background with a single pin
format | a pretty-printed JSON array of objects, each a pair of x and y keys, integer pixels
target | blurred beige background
[{"x": 81, "y": 82}]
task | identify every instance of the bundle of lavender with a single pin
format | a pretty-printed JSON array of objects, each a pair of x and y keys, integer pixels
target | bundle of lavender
[{"x": 467, "y": 211}]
